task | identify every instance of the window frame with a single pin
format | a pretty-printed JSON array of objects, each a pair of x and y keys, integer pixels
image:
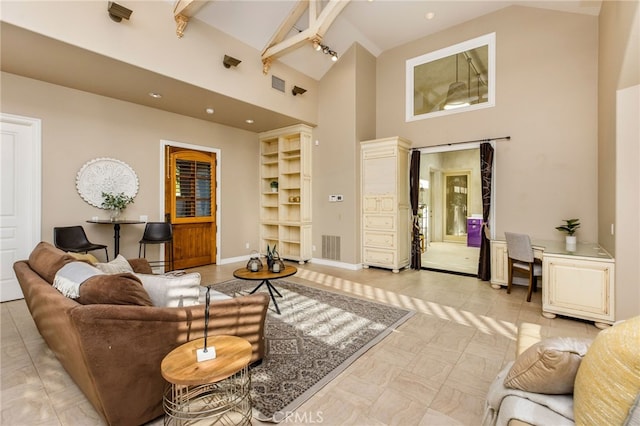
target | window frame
[{"x": 488, "y": 40}]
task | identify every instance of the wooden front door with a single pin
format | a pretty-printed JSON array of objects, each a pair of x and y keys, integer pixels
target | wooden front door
[{"x": 190, "y": 199}]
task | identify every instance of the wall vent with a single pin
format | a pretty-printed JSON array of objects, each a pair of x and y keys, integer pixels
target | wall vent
[
  {"x": 331, "y": 247},
  {"x": 277, "y": 83}
]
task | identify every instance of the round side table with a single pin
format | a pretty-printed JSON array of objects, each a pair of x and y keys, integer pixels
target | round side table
[{"x": 216, "y": 390}]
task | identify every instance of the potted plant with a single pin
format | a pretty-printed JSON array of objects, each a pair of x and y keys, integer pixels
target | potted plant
[
  {"x": 274, "y": 186},
  {"x": 116, "y": 203},
  {"x": 570, "y": 228}
]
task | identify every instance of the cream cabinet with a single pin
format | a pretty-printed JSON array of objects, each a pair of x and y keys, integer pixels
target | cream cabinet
[
  {"x": 579, "y": 283},
  {"x": 285, "y": 185},
  {"x": 578, "y": 287},
  {"x": 385, "y": 205}
]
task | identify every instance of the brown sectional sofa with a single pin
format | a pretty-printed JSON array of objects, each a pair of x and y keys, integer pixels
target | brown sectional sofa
[{"x": 113, "y": 351}]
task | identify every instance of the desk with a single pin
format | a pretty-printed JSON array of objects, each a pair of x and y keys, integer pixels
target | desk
[
  {"x": 579, "y": 283},
  {"x": 116, "y": 230},
  {"x": 215, "y": 389},
  {"x": 265, "y": 275}
]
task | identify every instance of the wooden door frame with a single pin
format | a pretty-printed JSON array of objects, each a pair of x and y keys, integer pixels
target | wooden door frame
[{"x": 161, "y": 179}]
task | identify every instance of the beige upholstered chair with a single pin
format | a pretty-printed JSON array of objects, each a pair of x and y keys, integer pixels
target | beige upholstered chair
[{"x": 521, "y": 259}]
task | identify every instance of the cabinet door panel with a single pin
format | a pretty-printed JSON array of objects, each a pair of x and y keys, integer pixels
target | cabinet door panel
[
  {"x": 388, "y": 204},
  {"x": 380, "y": 222},
  {"x": 370, "y": 204},
  {"x": 580, "y": 287},
  {"x": 379, "y": 257},
  {"x": 379, "y": 239}
]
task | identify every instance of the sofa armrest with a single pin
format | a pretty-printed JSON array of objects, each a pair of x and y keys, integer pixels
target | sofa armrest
[{"x": 124, "y": 346}]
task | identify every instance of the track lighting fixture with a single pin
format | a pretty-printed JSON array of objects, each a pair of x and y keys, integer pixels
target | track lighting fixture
[
  {"x": 229, "y": 62},
  {"x": 297, "y": 90},
  {"x": 325, "y": 49},
  {"x": 117, "y": 12}
]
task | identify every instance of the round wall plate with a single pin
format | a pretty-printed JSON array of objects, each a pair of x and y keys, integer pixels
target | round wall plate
[{"x": 105, "y": 175}]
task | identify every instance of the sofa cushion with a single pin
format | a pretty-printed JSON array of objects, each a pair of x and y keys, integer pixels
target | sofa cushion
[
  {"x": 549, "y": 366},
  {"x": 118, "y": 265},
  {"x": 46, "y": 260},
  {"x": 172, "y": 290},
  {"x": 608, "y": 379},
  {"x": 113, "y": 289}
]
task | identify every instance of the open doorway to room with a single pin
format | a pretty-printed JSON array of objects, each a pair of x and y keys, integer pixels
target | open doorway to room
[{"x": 451, "y": 208}]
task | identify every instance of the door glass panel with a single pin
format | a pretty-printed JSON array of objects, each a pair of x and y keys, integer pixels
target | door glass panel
[{"x": 193, "y": 188}]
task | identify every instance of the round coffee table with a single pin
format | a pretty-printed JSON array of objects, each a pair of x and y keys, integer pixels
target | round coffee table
[{"x": 265, "y": 275}]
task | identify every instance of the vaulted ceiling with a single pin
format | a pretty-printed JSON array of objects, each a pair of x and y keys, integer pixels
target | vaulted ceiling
[{"x": 278, "y": 29}]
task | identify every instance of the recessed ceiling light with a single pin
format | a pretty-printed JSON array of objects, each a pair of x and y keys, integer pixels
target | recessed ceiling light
[
  {"x": 155, "y": 95},
  {"x": 209, "y": 110},
  {"x": 430, "y": 15},
  {"x": 248, "y": 121}
]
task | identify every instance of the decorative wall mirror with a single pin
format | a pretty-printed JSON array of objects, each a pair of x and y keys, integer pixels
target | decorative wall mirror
[{"x": 454, "y": 79}]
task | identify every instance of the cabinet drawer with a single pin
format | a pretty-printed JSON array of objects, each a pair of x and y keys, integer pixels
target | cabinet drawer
[
  {"x": 380, "y": 222},
  {"x": 379, "y": 239},
  {"x": 380, "y": 257}
]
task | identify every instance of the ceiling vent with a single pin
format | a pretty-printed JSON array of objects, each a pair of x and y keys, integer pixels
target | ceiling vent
[{"x": 277, "y": 83}]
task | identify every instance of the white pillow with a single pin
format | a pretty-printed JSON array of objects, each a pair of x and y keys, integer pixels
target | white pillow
[
  {"x": 118, "y": 265},
  {"x": 172, "y": 291}
]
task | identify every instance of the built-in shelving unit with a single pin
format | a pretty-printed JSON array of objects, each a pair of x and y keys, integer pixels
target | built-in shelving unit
[{"x": 285, "y": 212}]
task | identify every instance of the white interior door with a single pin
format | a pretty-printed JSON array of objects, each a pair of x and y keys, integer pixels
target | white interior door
[{"x": 20, "y": 165}]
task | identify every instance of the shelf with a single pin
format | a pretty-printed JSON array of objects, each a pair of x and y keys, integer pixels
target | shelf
[{"x": 286, "y": 158}]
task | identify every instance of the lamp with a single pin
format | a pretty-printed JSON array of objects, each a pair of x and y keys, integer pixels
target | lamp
[
  {"x": 457, "y": 96},
  {"x": 229, "y": 62},
  {"x": 207, "y": 352},
  {"x": 117, "y": 12},
  {"x": 297, "y": 90}
]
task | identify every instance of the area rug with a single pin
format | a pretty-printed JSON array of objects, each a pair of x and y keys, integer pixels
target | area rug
[{"x": 317, "y": 335}]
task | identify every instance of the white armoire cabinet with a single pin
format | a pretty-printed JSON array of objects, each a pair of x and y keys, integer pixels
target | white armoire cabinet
[
  {"x": 386, "y": 210},
  {"x": 285, "y": 185}
]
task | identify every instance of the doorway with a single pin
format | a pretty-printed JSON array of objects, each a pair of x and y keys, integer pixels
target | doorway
[
  {"x": 450, "y": 199},
  {"x": 190, "y": 202},
  {"x": 20, "y": 202}
]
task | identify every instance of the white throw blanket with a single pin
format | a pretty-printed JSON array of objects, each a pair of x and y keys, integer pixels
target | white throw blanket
[
  {"x": 71, "y": 276},
  {"x": 505, "y": 403}
]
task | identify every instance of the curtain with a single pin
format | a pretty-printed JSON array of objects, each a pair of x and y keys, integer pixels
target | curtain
[
  {"x": 414, "y": 190},
  {"x": 486, "y": 166}
]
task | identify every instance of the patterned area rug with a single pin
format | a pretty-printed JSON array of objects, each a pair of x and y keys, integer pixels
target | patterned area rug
[{"x": 318, "y": 335}]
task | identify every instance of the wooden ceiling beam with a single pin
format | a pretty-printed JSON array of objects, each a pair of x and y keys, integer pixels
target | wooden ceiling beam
[
  {"x": 183, "y": 11},
  {"x": 318, "y": 26}
]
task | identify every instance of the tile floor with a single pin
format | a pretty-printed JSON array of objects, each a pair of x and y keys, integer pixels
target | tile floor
[{"x": 435, "y": 369}]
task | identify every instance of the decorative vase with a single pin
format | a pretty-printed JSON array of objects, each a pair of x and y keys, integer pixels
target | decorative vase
[
  {"x": 570, "y": 243},
  {"x": 115, "y": 214}
]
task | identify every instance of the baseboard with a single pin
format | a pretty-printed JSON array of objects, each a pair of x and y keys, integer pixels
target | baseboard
[{"x": 317, "y": 261}]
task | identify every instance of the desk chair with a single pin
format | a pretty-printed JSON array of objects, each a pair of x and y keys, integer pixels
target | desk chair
[
  {"x": 521, "y": 259},
  {"x": 74, "y": 239},
  {"x": 157, "y": 233}
]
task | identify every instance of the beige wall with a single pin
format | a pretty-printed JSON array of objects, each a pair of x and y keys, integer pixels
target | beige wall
[
  {"x": 334, "y": 158},
  {"x": 149, "y": 40},
  {"x": 78, "y": 127},
  {"x": 618, "y": 181},
  {"x": 546, "y": 101}
]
